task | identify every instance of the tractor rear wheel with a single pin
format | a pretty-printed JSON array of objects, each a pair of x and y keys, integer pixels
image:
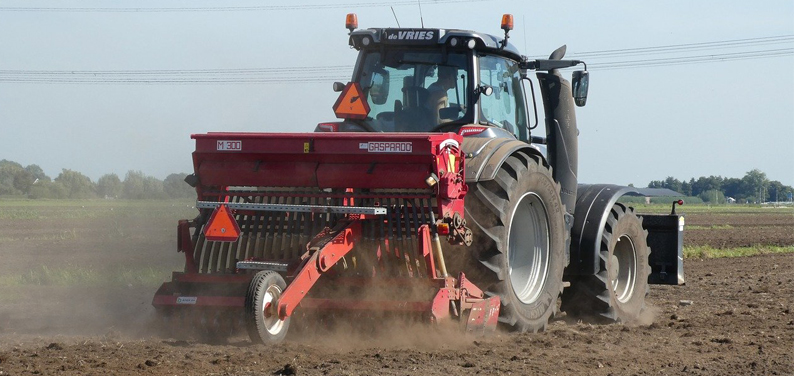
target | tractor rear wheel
[
  {"x": 261, "y": 308},
  {"x": 519, "y": 241},
  {"x": 617, "y": 292}
]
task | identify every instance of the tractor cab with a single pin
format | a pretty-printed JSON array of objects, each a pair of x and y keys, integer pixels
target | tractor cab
[{"x": 437, "y": 80}]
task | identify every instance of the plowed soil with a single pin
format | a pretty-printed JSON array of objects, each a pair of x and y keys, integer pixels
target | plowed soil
[{"x": 733, "y": 317}]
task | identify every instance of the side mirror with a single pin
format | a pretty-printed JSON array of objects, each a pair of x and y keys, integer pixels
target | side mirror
[
  {"x": 580, "y": 81},
  {"x": 338, "y": 87},
  {"x": 379, "y": 90}
]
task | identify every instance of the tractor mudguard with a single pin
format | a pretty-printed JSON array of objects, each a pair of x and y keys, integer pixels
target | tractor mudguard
[
  {"x": 484, "y": 156},
  {"x": 593, "y": 204}
]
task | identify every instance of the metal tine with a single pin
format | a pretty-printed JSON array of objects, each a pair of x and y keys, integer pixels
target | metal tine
[
  {"x": 256, "y": 225},
  {"x": 372, "y": 245},
  {"x": 366, "y": 252},
  {"x": 404, "y": 254},
  {"x": 248, "y": 230},
  {"x": 278, "y": 236},
  {"x": 259, "y": 248},
  {"x": 269, "y": 253},
  {"x": 393, "y": 259},
  {"x": 293, "y": 229},
  {"x": 203, "y": 260},
  {"x": 382, "y": 238},
  {"x": 306, "y": 233},
  {"x": 289, "y": 231},
  {"x": 214, "y": 253},
  {"x": 227, "y": 247},
  {"x": 410, "y": 254},
  {"x": 425, "y": 220},
  {"x": 316, "y": 220},
  {"x": 418, "y": 258},
  {"x": 297, "y": 229},
  {"x": 237, "y": 247},
  {"x": 199, "y": 241}
]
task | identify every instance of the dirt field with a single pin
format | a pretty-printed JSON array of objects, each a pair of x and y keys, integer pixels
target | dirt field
[{"x": 76, "y": 283}]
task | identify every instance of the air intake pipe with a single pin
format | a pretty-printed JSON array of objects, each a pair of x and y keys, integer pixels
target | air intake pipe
[{"x": 561, "y": 134}]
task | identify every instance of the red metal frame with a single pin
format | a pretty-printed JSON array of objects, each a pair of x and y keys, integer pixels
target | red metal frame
[
  {"x": 344, "y": 162},
  {"x": 319, "y": 262}
]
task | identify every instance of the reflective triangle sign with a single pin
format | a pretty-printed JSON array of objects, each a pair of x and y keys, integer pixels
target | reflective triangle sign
[
  {"x": 222, "y": 227},
  {"x": 351, "y": 103}
]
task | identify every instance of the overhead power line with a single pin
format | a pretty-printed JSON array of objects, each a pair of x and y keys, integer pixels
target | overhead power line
[
  {"x": 689, "y": 46},
  {"x": 312, "y": 74},
  {"x": 693, "y": 59},
  {"x": 231, "y": 8}
]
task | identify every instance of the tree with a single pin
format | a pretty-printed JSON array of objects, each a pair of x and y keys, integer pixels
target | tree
[
  {"x": 153, "y": 188},
  {"x": 8, "y": 170},
  {"x": 754, "y": 184},
  {"x": 175, "y": 186},
  {"x": 686, "y": 187},
  {"x": 778, "y": 191},
  {"x": 732, "y": 187},
  {"x": 133, "y": 185},
  {"x": 704, "y": 184},
  {"x": 713, "y": 196},
  {"x": 77, "y": 185},
  {"x": 109, "y": 186},
  {"x": 23, "y": 180},
  {"x": 37, "y": 172},
  {"x": 48, "y": 189}
]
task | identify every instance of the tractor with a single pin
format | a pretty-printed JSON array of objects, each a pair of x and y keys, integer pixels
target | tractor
[{"x": 437, "y": 194}]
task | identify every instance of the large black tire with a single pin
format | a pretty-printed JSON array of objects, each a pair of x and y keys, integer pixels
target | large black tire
[
  {"x": 519, "y": 242},
  {"x": 263, "y": 325},
  {"x": 617, "y": 292}
]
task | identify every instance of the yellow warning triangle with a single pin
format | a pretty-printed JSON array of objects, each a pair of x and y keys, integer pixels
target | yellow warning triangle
[
  {"x": 351, "y": 103},
  {"x": 222, "y": 227}
]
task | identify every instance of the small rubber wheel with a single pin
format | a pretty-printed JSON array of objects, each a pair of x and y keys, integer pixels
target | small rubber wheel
[
  {"x": 617, "y": 292},
  {"x": 261, "y": 308}
]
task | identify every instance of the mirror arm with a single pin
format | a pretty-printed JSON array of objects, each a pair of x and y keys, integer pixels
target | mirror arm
[{"x": 550, "y": 65}]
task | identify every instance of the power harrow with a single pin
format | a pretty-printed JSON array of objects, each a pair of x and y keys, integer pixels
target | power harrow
[{"x": 327, "y": 223}]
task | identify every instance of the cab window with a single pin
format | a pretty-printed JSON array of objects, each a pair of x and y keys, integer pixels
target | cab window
[
  {"x": 505, "y": 106},
  {"x": 414, "y": 90}
]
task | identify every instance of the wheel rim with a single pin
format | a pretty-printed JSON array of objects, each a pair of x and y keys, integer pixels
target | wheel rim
[
  {"x": 273, "y": 324},
  {"x": 623, "y": 271},
  {"x": 528, "y": 248}
]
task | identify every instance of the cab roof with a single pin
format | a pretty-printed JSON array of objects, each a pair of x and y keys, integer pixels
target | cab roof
[{"x": 417, "y": 37}]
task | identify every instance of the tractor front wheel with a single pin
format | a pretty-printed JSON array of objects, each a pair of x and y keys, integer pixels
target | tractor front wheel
[{"x": 520, "y": 237}]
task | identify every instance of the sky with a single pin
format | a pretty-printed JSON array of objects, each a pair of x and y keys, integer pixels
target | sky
[{"x": 642, "y": 122}]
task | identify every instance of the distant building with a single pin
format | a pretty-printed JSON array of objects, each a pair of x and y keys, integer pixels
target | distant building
[{"x": 730, "y": 200}]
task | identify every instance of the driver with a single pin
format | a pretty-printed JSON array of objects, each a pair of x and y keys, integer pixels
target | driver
[{"x": 437, "y": 91}]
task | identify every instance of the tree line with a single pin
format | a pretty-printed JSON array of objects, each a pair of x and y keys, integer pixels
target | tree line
[
  {"x": 754, "y": 187},
  {"x": 32, "y": 182}
]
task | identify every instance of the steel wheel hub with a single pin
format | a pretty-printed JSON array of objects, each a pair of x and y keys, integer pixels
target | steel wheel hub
[
  {"x": 273, "y": 324},
  {"x": 528, "y": 248},
  {"x": 623, "y": 269}
]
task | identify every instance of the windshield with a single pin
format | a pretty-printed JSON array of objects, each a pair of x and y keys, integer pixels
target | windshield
[{"x": 414, "y": 90}]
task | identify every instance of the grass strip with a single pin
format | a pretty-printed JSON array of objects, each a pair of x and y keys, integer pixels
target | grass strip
[{"x": 710, "y": 252}]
